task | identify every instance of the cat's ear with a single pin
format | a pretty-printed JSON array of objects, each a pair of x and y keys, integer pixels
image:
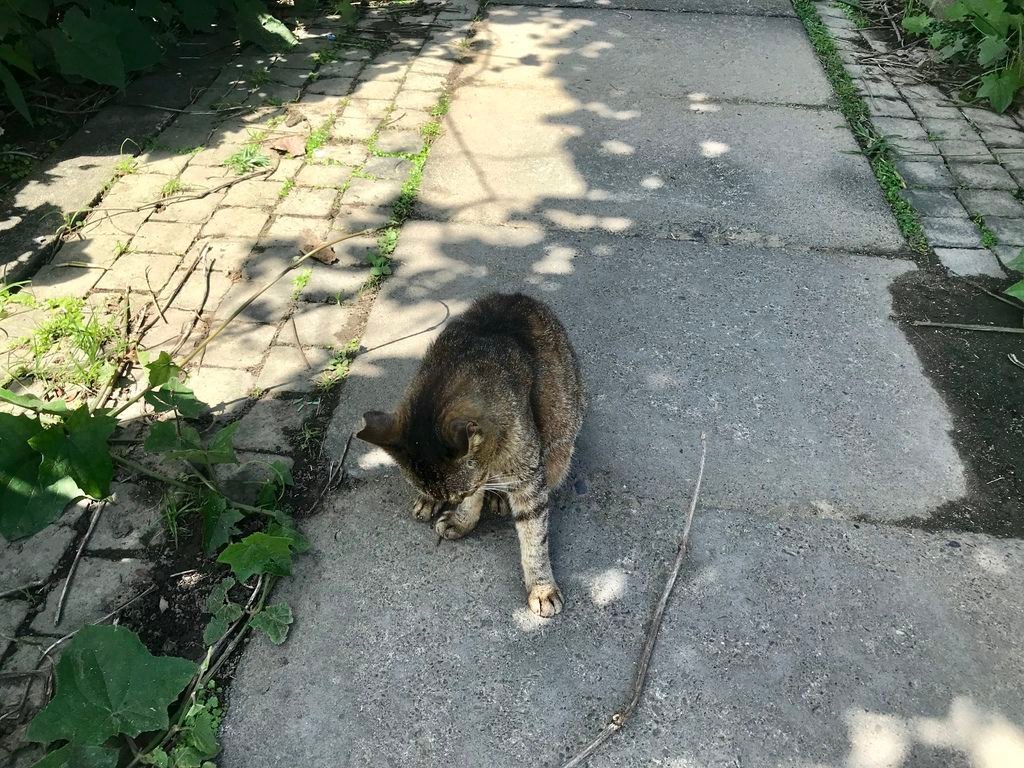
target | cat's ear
[
  {"x": 465, "y": 435},
  {"x": 379, "y": 428}
]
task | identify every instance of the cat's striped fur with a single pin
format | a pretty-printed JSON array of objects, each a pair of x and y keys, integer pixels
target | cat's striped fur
[{"x": 494, "y": 409}]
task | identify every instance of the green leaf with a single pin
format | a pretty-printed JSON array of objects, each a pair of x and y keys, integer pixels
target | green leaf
[
  {"x": 1018, "y": 261},
  {"x": 109, "y": 684},
  {"x": 999, "y": 88},
  {"x": 991, "y": 49},
  {"x": 273, "y": 621},
  {"x": 137, "y": 44},
  {"x": 284, "y": 527},
  {"x": 14, "y": 94},
  {"x": 77, "y": 756},
  {"x": 348, "y": 13},
  {"x": 162, "y": 370},
  {"x": 916, "y": 24},
  {"x": 1016, "y": 290},
  {"x": 956, "y": 47},
  {"x": 256, "y": 25},
  {"x": 956, "y": 12},
  {"x": 56, "y": 407},
  {"x": 258, "y": 553},
  {"x": 157, "y": 757},
  {"x": 33, "y": 491},
  {"x": 221, "y": 449},
  {"x": 199, "y": 734},
  {"x": 79, "y": 443},
  {"x": 219, "y": 594},
  {"x": 175, "y": 396},
  {"x": 196, "y": 14},
  {"x": 17, "y": 54},
  {"x": 154, "y": 9},
  {"x": 220, "y": 622},
  {"x": 164, "y": 437},
  {"x": 86, "y": 48},
  {"x": 219, "y": 522}
]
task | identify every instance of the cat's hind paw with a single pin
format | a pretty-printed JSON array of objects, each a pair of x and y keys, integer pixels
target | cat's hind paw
[
  {"x": 424, "y": 508},
  {"x": 545, "y": 600}
]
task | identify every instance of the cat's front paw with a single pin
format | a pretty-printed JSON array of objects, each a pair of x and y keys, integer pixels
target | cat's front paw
[
  {"x": 448, "y": 527},
  {"x": 545, "y": 600},
  {"x": 424, "y": 508}
]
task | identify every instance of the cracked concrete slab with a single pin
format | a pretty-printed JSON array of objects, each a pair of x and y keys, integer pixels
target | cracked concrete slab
[{"x": 725, "y": 7}]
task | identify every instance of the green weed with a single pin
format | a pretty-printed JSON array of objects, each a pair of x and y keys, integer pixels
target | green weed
[
  {"x": 126, "y": 165},
  {"x": 337, "y": 369},
  {"x": 988, "y": 237},
  {"x": 288, "y": 186},
  {"x": 172, "y": 187},
  {"x": 300, "y": 281},
  {"x": 319, "y": 137},
  {"x": 247, "y": 159}
]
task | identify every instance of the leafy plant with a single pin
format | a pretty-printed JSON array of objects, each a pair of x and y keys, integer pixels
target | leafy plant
[
  {"x": 337, "y": 368},
  {"x": 986, "y": 34},
  {"x": 300, "y": 281},
  {"x": 247, "y": 159},
  {"x": 286, "y": 188},
  {"x": 106, "y": 41},
  {"x": 319, "y": 137},
  {"x": 172, "y": 187}
]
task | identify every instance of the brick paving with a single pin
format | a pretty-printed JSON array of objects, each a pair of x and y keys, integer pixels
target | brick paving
[{"x": 201, "y": 258}]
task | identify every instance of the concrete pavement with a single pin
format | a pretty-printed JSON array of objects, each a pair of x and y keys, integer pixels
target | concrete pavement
[{"x": 722, "y": 260}]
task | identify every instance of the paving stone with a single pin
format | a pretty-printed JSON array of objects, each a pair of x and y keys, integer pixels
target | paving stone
[
  {"x": 346, "y": 69},
  {"x": 323, "y": 175},
  {"x": 422, "y": 100},
  {"x": 982, "y": 176},
  {"x": 164, "y": 237},
  {"x": 132, "y": 268},
  {"x": 970, "y": 261},
  {"x": 287, "y": 167},
  {"x": 335, "y": 282},
  {"x": 12, "y": 613},
  {"x": 289, "y": 369},
  {"x": 367, "y": 109},
  {"x": 935, "y": 203},
  {"x": 273, "y": 93},
  {"x": 965, "y": 151},
  {"x": 317, "y": 108},
  {"x": 1002, "y": 137},
  {"x": 243, "y": 481},
  {"x": 95, "y": 251},
  {"x": 407, "y": 141},
  {"x": 165, "y": 336},
  {"x": 991, "y": 202},
  {"x": 307, "y": 201},
  {"x": 372, "y": 192},
  {"x": 33, "y": 559},
  {"x": 1009, "y": 231},
  {"x": 215, "y": 156},
  {"x": 923, "y": 173},
  {"x": 354, "y": 129},
  {"x": 131, "y": 519},
  {"x": 425, "y": 64},
  {"x": 423, "y": 81},
  {"x": 331, "y": 86},
  {"x": 985, "y": 117},
  {"x": 53, "y": 281},
  {"x": 99, "y": 587},
  {"x": 255, "y": 193},
  {"x": 192, "y": 211},
  {"x": 376, "y": 89},
  {"x": 892, "y": 127},
  {"x": 291, "y": 232},
  {"x": 241, "y": 345},
  {"x": 201, "y": 291},
  {"x": 925, "y": 93},
  {"x": 1011, "y": 159},
  {"x": 272, "y": 306},
  {"x": 266, "y": 426},
  {"x": 881, "y": 89},
  {"x": 1007, "y": 255},
  {"x": 342, "y": 154},
  {"x": 204, "y": 176},
  {"x": 167, "y": 162},
  {"x": 388, "y": 167},
  {"x": 409, "y": 119},
  {"x": 135, "y": 189},
  {"x": 120, "y": 224},
  {"x": 949, "y": 129},
  {"x": 187, "y": 132},
  {"x": 227, "y": 254},
  {"x": 295, "y": 60},
  {"x": 233, "y": 222},
  {"x": 951, "y": 233},
  {"x": 225, "y": 390},
  {"x": 353, "y": 218},
  {"x": 288, "y": 76},
  {"x": 319, "y": 325}
]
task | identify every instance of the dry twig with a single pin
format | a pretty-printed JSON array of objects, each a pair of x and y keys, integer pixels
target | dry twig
[
  {"x": 74, "y": 563},
  {"x": 966, "y": 327},
  {"x": 620, "y": 717}
]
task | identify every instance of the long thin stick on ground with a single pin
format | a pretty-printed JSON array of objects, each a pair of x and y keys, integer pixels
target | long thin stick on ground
[
  {"x": 74, "y": 563},
  {"x": 966, "y": 327},
  {"x": 619, "y": 718}
]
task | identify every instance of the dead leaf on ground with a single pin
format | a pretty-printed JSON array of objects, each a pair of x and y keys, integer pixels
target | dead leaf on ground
[
  {"x": 295, "y": 146},
  {"x": 309, "y": 241}
]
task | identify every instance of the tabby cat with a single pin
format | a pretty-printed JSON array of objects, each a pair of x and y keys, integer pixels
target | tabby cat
[{"x": 494, "y": 408}]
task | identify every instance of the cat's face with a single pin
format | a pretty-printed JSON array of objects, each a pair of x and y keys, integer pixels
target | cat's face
[{"x": 439, "y": 463}]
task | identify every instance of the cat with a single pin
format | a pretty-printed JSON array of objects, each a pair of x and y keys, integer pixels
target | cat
[{"x": 494, "y": 409}]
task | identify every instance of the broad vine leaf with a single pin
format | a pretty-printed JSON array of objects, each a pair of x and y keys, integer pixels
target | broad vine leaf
[
  {"x": 219, "y": 594},
  {"x": 162, "y": 370},
  {"x": 947, "y": 52},
  {"x": 109, "y": 684},
  {"x": 175, "y": 396},
  {"x": 221, "y": 449},
  {"x": 999, "y": 88},
  {"x": 258, "y": 553},
  {"x": 956, "y": 12},
  {"x": 284, "y": 527},
  {"x": 1016, "y": 290},
  {"x": 992, "y": 49},
  {"x": 164, "y": 437},
  {"x": 198, "y": 739},
  {"x": 14, "y": 94},
  {"x": 257, "y": 26},
  {"x": 196, "y": 14},
  {"x": 223, "y": 612},
  {"x": 917, "y": 23},
  {"x": 274, "y": 621},
  {"x": 56, "y": 407},
  {"x": 1018, "y": 261},
  {"x": 155, "y": 9},
  {"x": 77, "y": 756},
  {"x": 86, "y": 48},
  {"x": 33, "y": 491},
  {"x": 137, "y": 44},
  {"x": 79, "y": 443},
  {"x": 219, "y": 521}
]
